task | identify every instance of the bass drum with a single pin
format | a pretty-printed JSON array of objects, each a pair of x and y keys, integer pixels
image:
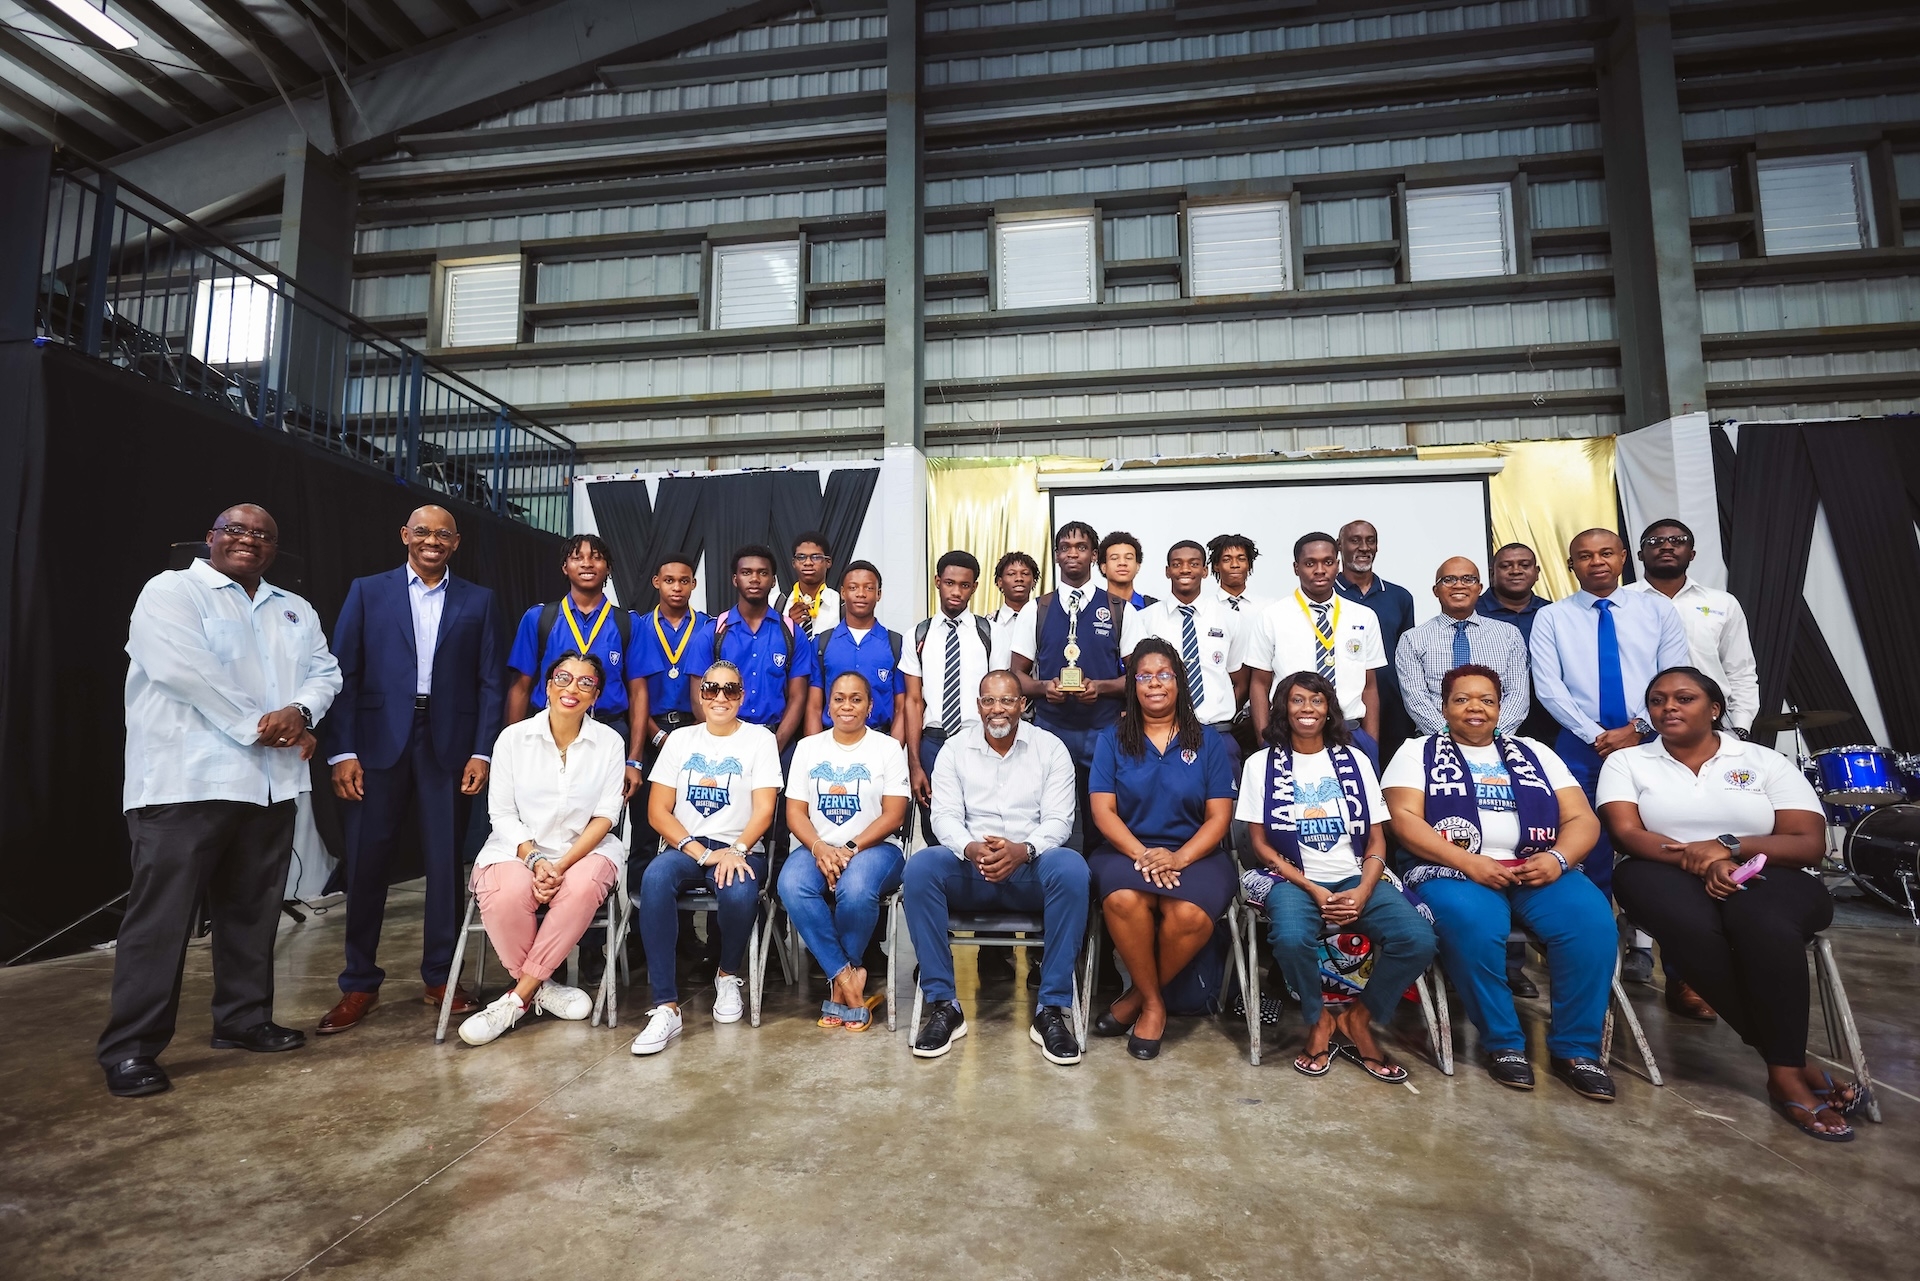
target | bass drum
[{"x": 1882, "y": 854}]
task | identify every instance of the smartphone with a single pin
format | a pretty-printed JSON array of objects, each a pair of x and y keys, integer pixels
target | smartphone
[{"x": 1747, "y": 870}]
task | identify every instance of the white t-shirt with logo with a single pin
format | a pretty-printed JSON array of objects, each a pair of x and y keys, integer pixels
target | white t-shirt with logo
[
  {"x": 843, "y": 783},
  {"x": 714, "y": 776},
  {"x": 1492, "y": 788},
  {"x": 1327, "y": 855},
  {"x": 1735, "y": 793}
]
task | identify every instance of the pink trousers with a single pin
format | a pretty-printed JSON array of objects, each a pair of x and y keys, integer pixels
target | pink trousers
[{"x": 532, "y": 948}]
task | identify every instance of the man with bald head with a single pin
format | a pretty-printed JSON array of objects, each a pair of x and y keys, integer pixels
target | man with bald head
[
  {"x": 1594, "y": 654},
  {"x": 1392, "y": 604},
  {"x": 1454, "y": 637},
  {"x": 227, "y": 678},
  {"x": 419, "y": 652}
]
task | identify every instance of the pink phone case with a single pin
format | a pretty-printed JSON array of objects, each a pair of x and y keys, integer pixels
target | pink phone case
[{"x": 1747, "y": 870}]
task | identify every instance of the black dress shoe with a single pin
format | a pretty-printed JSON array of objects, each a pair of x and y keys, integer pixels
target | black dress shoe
[
  {"x": 1587, "y": 1077},
  {"x": 1107, "y": 1025},
  {"x": 131, "y": 1078},
  {"x": 1520, "y": 985},
  {"x": 945, "y": 1024},
  {"x": 261, "y": 1038},
  {"x": 1052, "y": 1031},
  {"x": 1512, "y": 1070},
  {"x": 1141, "y": 1048}
]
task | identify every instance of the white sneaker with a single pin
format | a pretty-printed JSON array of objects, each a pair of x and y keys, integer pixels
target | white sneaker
[
  {"x": 726, "y": 999},
  {"x": 561, "y": 1001},
  {"x": 662, "y": 1026},
  {"x": 491, "y": 1023}
]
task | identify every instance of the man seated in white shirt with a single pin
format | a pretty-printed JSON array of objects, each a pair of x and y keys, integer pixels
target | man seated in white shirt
[
  {"x": 1205, "y": 632},
  {"x": 1002, "y": 806},
  {"x": 229, "y": 675},
  {"x": 1715, "y": 624}
]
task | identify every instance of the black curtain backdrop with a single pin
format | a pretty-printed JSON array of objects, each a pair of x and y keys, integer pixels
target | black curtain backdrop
[
  {"x": 843, "y": 509},
  {"x": 1774, "y": 504},
  {"x": 101, "y": 472},
  {"x": 624, "y": 516}
]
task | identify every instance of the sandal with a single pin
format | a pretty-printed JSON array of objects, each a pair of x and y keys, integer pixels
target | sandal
[
  {"x": 1388, "y": 1071},
  {"x": 858, "y": 1018},
  {"x": 1843, "y": 1135},
  {"x": 1846, "y": 1098},
  {"x": 1304, "y": 1065},
  {"x": 832, "y": 1014}
]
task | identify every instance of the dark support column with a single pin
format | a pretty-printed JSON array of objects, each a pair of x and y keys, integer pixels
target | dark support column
[
  {"x": 1661, "y": 370},
  {"x": 316, "y": 257},
  {"x": 901, "y": 499},
  {"x": 25, "y": 176}
]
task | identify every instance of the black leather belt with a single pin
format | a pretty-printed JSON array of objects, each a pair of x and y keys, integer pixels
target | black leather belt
[
  {"x": 420, "y": 702},
  {"x": 933, "y": 732}
]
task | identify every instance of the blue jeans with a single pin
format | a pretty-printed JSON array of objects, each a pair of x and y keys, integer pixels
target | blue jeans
[
  {"x": 661, "y": 885},
  {"x": 1570, "y": 916},
  {"x": 839, "y": 934},
  {"x": 1584, "y": 764},
  {"x": 939, "y": 882},
  {"x": 1402, "y": 944}
]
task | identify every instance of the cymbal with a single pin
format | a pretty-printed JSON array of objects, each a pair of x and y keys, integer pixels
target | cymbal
[{"x": 1805, "y": 718}]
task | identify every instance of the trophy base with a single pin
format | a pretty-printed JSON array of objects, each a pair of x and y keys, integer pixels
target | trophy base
[{"x": 1072, "y": 680}]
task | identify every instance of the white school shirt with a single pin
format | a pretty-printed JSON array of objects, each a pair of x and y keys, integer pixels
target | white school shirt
[
  {"x": 1327, "y": 855},
  {"x": 1284, "y": 641},
  {"x": 1492, "y": 786},
  {"x": 1251, "y": 606},
  {"x": 931, "y": 666},
  {"x": 843, "y": 783},
  {"x": 1008, "y": 625},
  {"x": 1222, "y": 648},
  {"x": 535, "y": 795},
  {"x": 208, "y": 662},
  {"x": 714, "y": 777},
  {"x": 1719, "y": 644},
  {"x": 828, "y": 617},
  {"x": 1735, "y": 793}
]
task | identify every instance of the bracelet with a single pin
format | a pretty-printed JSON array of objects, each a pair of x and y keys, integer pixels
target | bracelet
[
  {"x": 636, "y": 765},
  {"x": 1562, "y": 860},
  {"x": 1372, "y": 858}
]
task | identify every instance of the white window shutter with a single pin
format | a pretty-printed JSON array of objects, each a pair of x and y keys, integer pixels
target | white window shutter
[
  {"x": 756, "y": 285},
  {"x": 1046, "y": 262},
  {"x": 1815, "y": 204},
  {"x": 483, "y": 304},
  {"x": 1237, "y": 249},
  {"x": 1460, "y": 231}
]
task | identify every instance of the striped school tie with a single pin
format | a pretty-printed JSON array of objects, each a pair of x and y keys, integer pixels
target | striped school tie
[
  {"x": 1190, "y": 651},
  {"x": 1323, "y": 632},
  {"x": 950, "y": 685}
]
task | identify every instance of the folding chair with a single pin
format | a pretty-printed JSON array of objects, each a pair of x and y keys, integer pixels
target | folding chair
[
  {"x": 796, "y": 952},
  {"x": 761, "y": 939},
  {"x": 997, "y": 929},
  {"x": 1837, "y": 1012}
]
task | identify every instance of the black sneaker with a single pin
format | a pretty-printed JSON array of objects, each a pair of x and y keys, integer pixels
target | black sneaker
[
  {"x": 945, "y": 1025},
  {"x": 1520, "y": 985},
  {"x": 1511, "y": 1069},
  {"x": 1587, "y": 1077},
  {"x": 1052, "y": 1031}
]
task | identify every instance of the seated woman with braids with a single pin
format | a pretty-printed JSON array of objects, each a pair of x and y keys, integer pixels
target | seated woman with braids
[{"x": 1313, "y": 811}]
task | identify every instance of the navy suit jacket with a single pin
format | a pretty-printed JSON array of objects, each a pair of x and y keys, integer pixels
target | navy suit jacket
[{"x": 373, "y": 642}]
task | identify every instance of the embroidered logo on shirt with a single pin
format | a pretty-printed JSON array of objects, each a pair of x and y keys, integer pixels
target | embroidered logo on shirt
[
  {"x": 1353, "y": 646},
  {"x": 709, "y": 784},
  {"x": 882, "y": 675},
  {"x": 1219, "y": 656},
  {"x": 1188, "y": 756},
  {"x": 613, "y": 658},
  {"x": 1460, "y": 832},
  {"x": 1744, "y": 779},
  {"x": 779, "y": 660},
  {"x": 1103, "y": 615},
  {"x": 836, "y": 790},
  {"x": 1214, "y": 633},
  {"x": 292, "y": 617}
]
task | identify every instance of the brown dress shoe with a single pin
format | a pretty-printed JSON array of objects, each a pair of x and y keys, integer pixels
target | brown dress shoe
[
  {"x": 463, "y": 1002},
  {"x": 1687, "y": 1003},
  {"x": 352, "y": 1008}
]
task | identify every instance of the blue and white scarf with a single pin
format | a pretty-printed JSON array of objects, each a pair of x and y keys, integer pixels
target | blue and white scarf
[
  {"x": 1454, "y": 811},
  {"x": 1281, "y": 831}
]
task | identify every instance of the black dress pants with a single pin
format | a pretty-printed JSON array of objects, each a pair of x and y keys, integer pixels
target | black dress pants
[
  {"x": 1746, "y": 956},
  {"x": 236, "y": 855}
]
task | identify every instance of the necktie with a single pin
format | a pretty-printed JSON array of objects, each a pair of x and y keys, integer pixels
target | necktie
[
  {"x": 1613, "y": 687},
  {"x": 1323, "y": 629},
  {"x": 1073, "y": 601},
  {"x": 1233, "y": 602},
  {"x": 1190, "y": 651},
  {"x": 950, "y": 685},
  {"x": 1462, "y": 655}
]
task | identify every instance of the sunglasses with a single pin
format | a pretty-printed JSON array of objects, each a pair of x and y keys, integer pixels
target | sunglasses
[{"x": 716, "y": 689}]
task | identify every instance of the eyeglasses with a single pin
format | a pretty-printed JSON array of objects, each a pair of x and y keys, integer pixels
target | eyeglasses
[
  {"x": 1155, "y": 678},
  {"x": 809, "y": 558},
  {"x": 717, "y": 689},
  {"x": 241, "y": 531},
  {"x": 422, "y": 534},
  {"x": 1457, "y": 580},
  {"x": 1667, "y": 540},
  {"x": 1000, "y": 700},
  {"x": 585, "y": 684}
]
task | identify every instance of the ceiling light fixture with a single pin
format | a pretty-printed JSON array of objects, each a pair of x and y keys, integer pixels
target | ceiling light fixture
[{"x": 95, "y": 20}]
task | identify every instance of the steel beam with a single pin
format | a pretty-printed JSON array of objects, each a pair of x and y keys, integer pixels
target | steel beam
[
  {"x": 49, "y": 123},
  {"x": 181, "y": 38},
  {"x": 62, "y": 77}
]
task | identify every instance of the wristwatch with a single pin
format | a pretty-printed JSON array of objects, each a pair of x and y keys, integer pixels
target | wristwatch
[
  {"x": 1731, "y": 842},
  {"x": 740, "y": 849},
  {"x": 306, "y": 715},
  {"x": 1033, "y": 852},
  {"x": 1642, "y": 727}
]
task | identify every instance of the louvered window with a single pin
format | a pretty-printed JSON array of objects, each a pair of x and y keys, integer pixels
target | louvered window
[
  {"x": 756, "y": 285},
  {"x": 1045, "y": 262},
  {"x": 1460, "y": 231},
  {"x": 483, "y": 304},
  {"x": 1237, "y": 249},
  {"x": 1815, "y": 204},
  {"x": 233, "y": 321}
]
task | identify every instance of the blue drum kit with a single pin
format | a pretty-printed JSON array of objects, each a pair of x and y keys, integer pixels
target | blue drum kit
[{"x": 1872, "y": 799}]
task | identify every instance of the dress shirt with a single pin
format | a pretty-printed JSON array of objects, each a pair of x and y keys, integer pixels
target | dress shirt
[
  {"x": 207, "y": 663},
  {"x": 930, "y": 665},
  {"x": 1392, "y": 604},
  {"x": 427, "y": 604},
  {"x": 1251, "y": 606},
  {"x": 1717, "y": 638},
  {"x": 1222, "y": 649},
  {"x": 535, "y": 795},
  {"x": 823, "y": 622},
  {"x": 1283, "y": 641},
  {"x": 1026, "y": 795},
  {"x": 1012, "y": 628},
  {"x": 1566, "y": 654},
  {"x": 1426, "y": 654},
  {"x": 1489, "y": 606},
  {"x": 1738, "y": 791}
]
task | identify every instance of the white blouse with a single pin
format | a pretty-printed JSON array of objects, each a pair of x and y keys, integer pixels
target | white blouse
[{"x": 534, "y": 795}]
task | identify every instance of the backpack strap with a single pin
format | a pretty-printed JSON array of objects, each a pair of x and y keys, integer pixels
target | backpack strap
[
  {"x": 985, "y": 628},
  {"x": 719, "y": 633},
  {"x": 623, "y": 623},
  {"x": 920, "y": 636},
  {"x": 894, "y": 643},
  {"x": 820, "y": 654},
  {"x": 549, "y": 618}
]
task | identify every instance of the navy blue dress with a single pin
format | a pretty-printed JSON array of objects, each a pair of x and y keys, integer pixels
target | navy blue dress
[{"x": 1162, "y": 798}]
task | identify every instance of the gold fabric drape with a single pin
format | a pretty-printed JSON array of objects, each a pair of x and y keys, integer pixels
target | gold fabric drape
[
  {"x": 991, "y": 506},
  {"x": 1549, "y": 491}
]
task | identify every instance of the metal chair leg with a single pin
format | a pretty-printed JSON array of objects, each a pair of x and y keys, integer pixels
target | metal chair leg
[
  {"x": 1439, "y": 1035},
  {"x": 1836, "y": 992},
  {"x": 1633, "y": 1025},
  {"x": 893, "y": 962},
  {"x": 453, "y": 979}
]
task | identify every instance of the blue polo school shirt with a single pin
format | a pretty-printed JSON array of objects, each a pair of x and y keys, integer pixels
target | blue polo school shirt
[
  {"x": 605, "y": 647},
  {"x": 651, "y": 659},
  {"x": 871, "y": 656},
  {"x": 762, "y": 658}
]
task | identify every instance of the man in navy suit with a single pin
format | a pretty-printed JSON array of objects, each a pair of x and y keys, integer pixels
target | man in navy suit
[{"x": 419, "y": 653}]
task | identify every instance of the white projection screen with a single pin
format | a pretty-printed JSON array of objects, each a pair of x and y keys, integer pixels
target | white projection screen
[{"x": 1425, "y": 513}]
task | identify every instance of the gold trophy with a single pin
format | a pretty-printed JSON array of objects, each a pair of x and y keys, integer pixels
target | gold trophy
[{"x": 1072, "y": 679}]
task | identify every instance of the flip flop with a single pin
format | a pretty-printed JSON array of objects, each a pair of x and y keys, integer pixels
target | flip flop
[
  {"x": 858, "y": 1018},
  {"x": 1783, "y": 1106},
  {"x": 1304, "y": 1063},
  {"x": 832, "y": 1014},
  {"x": 1851, "y": 1102},
  {"x": 1389, "y": 1071}
]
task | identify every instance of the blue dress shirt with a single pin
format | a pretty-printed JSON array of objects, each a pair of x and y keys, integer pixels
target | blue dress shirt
[
  {"x": 1392, "y": 604},
  {"x": 1566, "y": 654},
  {"x": 1489, "y": 606}
]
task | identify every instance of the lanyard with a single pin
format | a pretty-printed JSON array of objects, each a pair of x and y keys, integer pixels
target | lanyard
[
  {"x": 586, "y": 646},
  {"x": 813, "y": 602},
  {"x": 673, "y": 655},
  {"x": 1333, "y": 621}
]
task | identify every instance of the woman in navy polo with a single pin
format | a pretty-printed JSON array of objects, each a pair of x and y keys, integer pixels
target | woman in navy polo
[{"x": 1161, "y": 794}]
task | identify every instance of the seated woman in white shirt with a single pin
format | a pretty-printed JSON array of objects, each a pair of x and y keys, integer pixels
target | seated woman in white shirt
[
  {"x": 553, "y": 796},
  {"x": 847, "y": 796},
  {"x": 714, "y": 787},
  {"x": 1498, "y": 823},
  {"x": 1687, "y": 811},
  {"x": 1314, "y": 813}
]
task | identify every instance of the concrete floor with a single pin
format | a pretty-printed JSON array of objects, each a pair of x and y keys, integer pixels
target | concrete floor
[{"x": 786, "y": 1151}]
